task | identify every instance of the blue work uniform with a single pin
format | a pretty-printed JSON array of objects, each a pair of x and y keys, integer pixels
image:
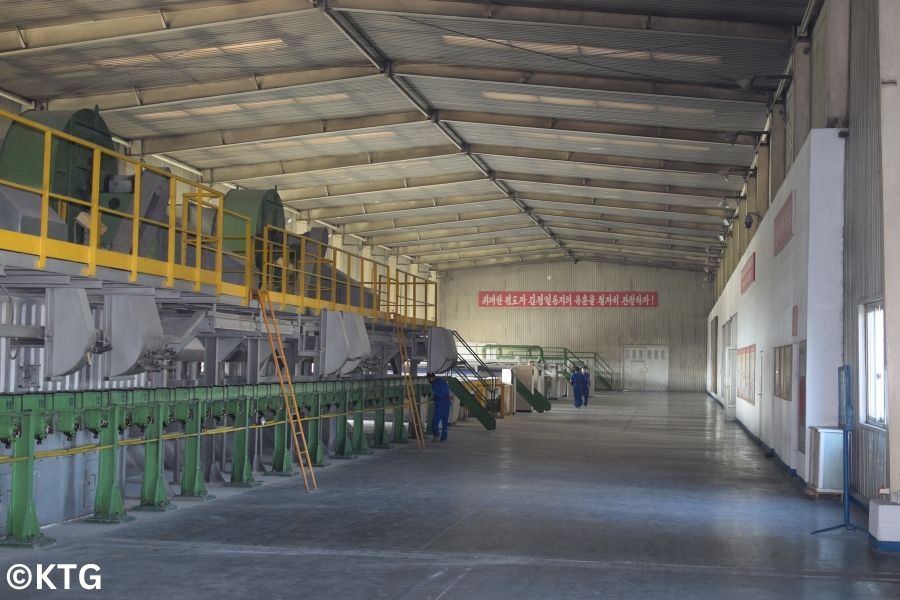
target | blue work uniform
[
  {"x": 578, "y": 387},
  {"x": 440, "y": 392},
  {"x": 587, "y": 386}
]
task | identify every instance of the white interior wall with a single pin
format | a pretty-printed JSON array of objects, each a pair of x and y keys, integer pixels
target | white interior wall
[
  {"x": 806, "y": 273},
  {"x": 679, "y": 321}
]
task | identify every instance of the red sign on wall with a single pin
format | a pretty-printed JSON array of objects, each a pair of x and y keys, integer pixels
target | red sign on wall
[
  {"x": 784, "y": 224},
  {"x": 568, "y": 299},
  {"x": 748, "y": 273}
]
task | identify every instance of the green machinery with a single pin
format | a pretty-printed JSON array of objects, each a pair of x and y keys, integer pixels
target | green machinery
[{"x": 170, "y": 415}]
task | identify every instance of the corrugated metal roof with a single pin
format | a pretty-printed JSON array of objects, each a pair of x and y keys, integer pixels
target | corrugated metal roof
[
  {"x": 283, "y": 43},
  {"x": 563, "y": 49},
  {"x": 372, "y": 139},
  {"x": 591, "y": 105},
  {"x": 347, "y": 98},
  {"x": 758, "y": 11},
  {"x": 619, "y": 145},
  {"x": 607, "y": 173},
  {"x": 408, "y": 168}
]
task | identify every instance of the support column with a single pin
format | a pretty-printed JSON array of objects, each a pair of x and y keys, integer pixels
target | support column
[
  {"x": 154, "y": 489},
  {"x": 777, "y": 142},
  {"x": 314, "y": 445},
  {"x": 884, "y": 516},
  {"x": 762, "y": 180},
  {"x": 800, "y": 94},
  {"x": 108, "y": 504},
  {"x": 752, "y": 206},
  {"x": 192, "y": 483},
  {"x": 241, "y": 468},
  {"x": 381, "y": 439},
  {"x": 21, "y": 519},
  {"x": 282, "y": 459},
  {"x": 343, "y": 446},
  {"x": 360, "y": 443}
]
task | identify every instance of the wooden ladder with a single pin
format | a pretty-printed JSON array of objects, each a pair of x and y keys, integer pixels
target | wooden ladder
[
  {"x": 415, "y": 417},
  {"x": 291, "y": 410}
]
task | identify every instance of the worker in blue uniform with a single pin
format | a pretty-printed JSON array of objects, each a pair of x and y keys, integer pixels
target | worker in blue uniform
[
  {"x": 587, "y": 386},
  {"x": 440, "y": 393},
  {"x": 577, "y": 381}
]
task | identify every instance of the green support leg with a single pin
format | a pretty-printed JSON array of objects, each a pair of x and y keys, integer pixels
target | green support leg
[
  {"x": 401, "y": 434},
  {"x": 360, "y": 443},
  {"x": 343, "y": 447},
  {"x": 108, "y": 504},
  {"x": 282, "y": 461},
  {"x": 314, "y": 434},
  {"x": 381, "y": 439},
  {"x": 22, "y": 529},
  {"x": 154, "y": 495},
  {"x": 192, "y": 483},
  {"x": 241, "y": 470}
]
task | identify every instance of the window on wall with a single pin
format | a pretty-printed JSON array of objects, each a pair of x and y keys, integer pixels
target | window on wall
[
  {"x": 783, "y": 361},
  {"x": 872, "y": 340}
]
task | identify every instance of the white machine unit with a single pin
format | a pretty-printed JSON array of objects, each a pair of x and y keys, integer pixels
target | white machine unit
[{"x": 826, "y": 464}]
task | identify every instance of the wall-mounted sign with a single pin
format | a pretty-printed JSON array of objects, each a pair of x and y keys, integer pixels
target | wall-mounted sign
[
  {"x": 748, "y": 273},
  {"x": 746, "y": 373},
  {"x": 568, "y": 299},
  {"x": 784, "y": 224}
]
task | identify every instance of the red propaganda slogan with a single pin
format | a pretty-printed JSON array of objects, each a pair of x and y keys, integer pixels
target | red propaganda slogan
[
  {"x": 784, "y": 225},
  {"x": 568, "y": 299},
  {"x": 748, "y": 273}
]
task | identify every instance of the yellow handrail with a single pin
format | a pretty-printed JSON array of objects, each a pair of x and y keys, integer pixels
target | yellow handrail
[{"x": 299, "y": 271}]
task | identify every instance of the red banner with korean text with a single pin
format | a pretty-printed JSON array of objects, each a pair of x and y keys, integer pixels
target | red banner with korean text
[{"x": 568, "y": 299}]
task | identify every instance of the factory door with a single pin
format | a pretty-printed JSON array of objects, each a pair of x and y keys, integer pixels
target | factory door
[{"x": 645, "y": 368}]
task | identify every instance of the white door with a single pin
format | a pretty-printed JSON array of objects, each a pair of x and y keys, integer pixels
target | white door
[
  {"x": 645, "y": 368},
  {"x": 730, "y": 384}
]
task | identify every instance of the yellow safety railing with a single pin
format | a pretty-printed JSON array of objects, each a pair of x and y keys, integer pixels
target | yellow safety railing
[
  {"x": 300, "y": 271},
  {"x": 191, "y": 245},
  {"x": 192, "y": 249}
]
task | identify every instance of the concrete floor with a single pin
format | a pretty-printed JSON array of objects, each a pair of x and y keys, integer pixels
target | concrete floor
[{"x": 638, "y": 496}]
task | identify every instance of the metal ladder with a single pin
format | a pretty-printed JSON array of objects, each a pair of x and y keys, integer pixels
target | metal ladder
[
  {"x": 291, "y": 410},
  {"x": 415, "y": 417}
]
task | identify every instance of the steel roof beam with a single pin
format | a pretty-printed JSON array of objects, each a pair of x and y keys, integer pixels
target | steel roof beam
[
  {"x": 313, "y": 193},
  {"x": 246, "y": 135},
  {"x": 403, "y": 239},
  {"x": 441, "y": 222},
  {"x": 714, "y": 213},
  {"x": 552, "y": 15},
  {"x": 558, "y": 256},
  {"x": 583, "y": 126},
  {"x": 454, "y": 245},
  {"x": 611, "y": 160},
  {"x": 627, "y": 239},
  {"x": 159, "y": 96},
  {"x": 680, "y": 225},
  {"x": 613, "y": 185},
  {"x": 629, "y": 85},
  {"x": 245, "y": 173},
  {"x": 500, "y": 250},
  {"x": 375, "y": 209},
  {"x": 592, "y": 223}
]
